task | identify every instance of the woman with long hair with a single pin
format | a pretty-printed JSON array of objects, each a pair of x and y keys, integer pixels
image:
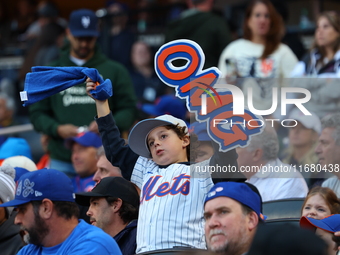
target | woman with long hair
[
  {"x": 259, "y": 54},
  {"x": 324, "y": 57},
  {"x": 321, "y": 66}
]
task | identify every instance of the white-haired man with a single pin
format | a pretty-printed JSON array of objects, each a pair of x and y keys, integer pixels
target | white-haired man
[{"x": 259, "y": 162}]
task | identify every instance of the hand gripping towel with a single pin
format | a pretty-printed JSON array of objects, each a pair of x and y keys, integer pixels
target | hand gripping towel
[{"x": 45, "y": 81}]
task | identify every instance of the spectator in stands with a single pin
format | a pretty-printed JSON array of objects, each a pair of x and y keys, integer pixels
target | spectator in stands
[
  {"x": 320, "y": 202},
  {"x": 156, "y": 160},
  {"x": 7, "y": 111},
  {"x": 114, "y": 204},
  {"x": 259, "y": 54},
  {"x": 197, "y": 24},
  {"x": 232, "y": 212},
  {"x": 145, "y": 80},
  {"x": 44, "y": 161},
  {"x": 45, "y": 49},
  {"x": 14, "y": 146},
  {"x": 328, "y": 150},
  {"x": 20, "y": 161},
  {"x": 324, "y": 57},
  {"x": 84, "y": 159},
  {"x": 117, "y": 39},
  {"x": 10, "y": 239},
  {"x": 24, "y": 16},
  {"x": 205, "y": 148},
  {"x": 47, "y": 13},
  {"x": 325, "y": 229},
  {"x": 104, "y": 167},
  {"x": 259, "y": 162},
  {"x": 302, "y": 142},
  {"x": 60, "y": 115},
  {"x": 320, "y": 67},
  {"x": 46, "y": 209}
]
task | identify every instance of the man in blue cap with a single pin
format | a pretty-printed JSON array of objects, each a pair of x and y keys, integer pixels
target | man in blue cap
[
  {"x": 84, "y": 149},
  {"x": 232, "y": 212},
  {"x": 47, "y": 211}
]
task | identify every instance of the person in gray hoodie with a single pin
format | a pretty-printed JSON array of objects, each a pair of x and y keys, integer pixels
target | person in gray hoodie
[{"x": 10, "y": 239}]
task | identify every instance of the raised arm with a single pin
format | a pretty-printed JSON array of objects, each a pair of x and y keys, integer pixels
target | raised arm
[{"x": 116, "y": 150}]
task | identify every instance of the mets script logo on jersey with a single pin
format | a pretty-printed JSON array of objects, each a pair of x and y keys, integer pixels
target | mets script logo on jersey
[
  {"x": 197, "y": 86},
  {"x": 179, "y": 185}
]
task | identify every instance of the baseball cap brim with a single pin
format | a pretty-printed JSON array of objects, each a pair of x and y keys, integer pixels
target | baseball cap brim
[
  {"x": 150, "y": 109},
  {"x": 84, "y": 198},
  {"x": 310, "y": 223},
  {"x": 139, "y": 133},
  {"x": 84, "y": 33},
  {"x": 14, "y": 203}
]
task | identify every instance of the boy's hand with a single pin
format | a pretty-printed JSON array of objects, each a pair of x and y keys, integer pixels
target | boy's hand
[
  {"x": 103, "y": 108},
  {"x": 90, "y": 85}
]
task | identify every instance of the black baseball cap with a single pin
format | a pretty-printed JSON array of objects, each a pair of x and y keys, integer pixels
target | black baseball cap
[{"x": 111, "y": 187}]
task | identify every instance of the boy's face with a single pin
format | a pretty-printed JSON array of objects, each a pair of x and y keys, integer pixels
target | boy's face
[{"x": 166, "y": 147}]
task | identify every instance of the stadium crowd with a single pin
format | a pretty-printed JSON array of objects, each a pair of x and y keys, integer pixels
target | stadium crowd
[{"x": 120, "y": 150}]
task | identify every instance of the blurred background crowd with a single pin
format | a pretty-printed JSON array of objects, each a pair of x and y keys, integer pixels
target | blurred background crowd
[
  {"x": 32, "y": 33},
  {"x": 257, "y": 44}
]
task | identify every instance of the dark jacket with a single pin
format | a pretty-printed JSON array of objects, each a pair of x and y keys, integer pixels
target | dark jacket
[
  {"x": 74, "y": 106},
  {"x": 10, "y": 239},
  {"x": 126, "y": 239},
  {"x": 331, "y": 69}
]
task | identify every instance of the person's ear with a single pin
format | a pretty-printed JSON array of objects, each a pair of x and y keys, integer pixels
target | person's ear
[
  {"x": 185, "y": 141},
  {"x": 253, "y": 220},
  {"x": 257, "y": 154},
  {"x": 117, "y": 205},
  {"x": 46, "y": 209}
]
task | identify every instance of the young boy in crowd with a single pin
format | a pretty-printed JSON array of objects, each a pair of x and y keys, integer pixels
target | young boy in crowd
[{"x": 172, "y": 191}]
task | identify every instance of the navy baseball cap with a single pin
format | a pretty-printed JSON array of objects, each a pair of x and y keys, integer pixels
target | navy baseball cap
[
  {"x": 87, "y": 139},
  {"x": 111, "y": 187},
  {"x": 84, "y": 23},
  {"x": 330, "y": 223},
  {"x": 38, "y": 185},
  {"x": 167, "y": 104},
  {"x": 200, "y": 129},
  {"x": 239, "y": 191}
]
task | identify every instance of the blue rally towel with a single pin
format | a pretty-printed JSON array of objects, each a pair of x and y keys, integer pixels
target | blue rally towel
[{"x": 45, "y": 81}]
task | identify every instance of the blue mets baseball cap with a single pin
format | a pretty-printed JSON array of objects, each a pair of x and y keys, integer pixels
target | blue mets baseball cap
[
  {"x": 86, "y": 139},
  {"x": 330, "y": 223},
  {"x": 167, "y": 104},
  {"x": 41, "y": 184},
  {"x": 200, "y": 129},
  {"x": 244, "y": 193},
  {"x": 83, "y": 23}
]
